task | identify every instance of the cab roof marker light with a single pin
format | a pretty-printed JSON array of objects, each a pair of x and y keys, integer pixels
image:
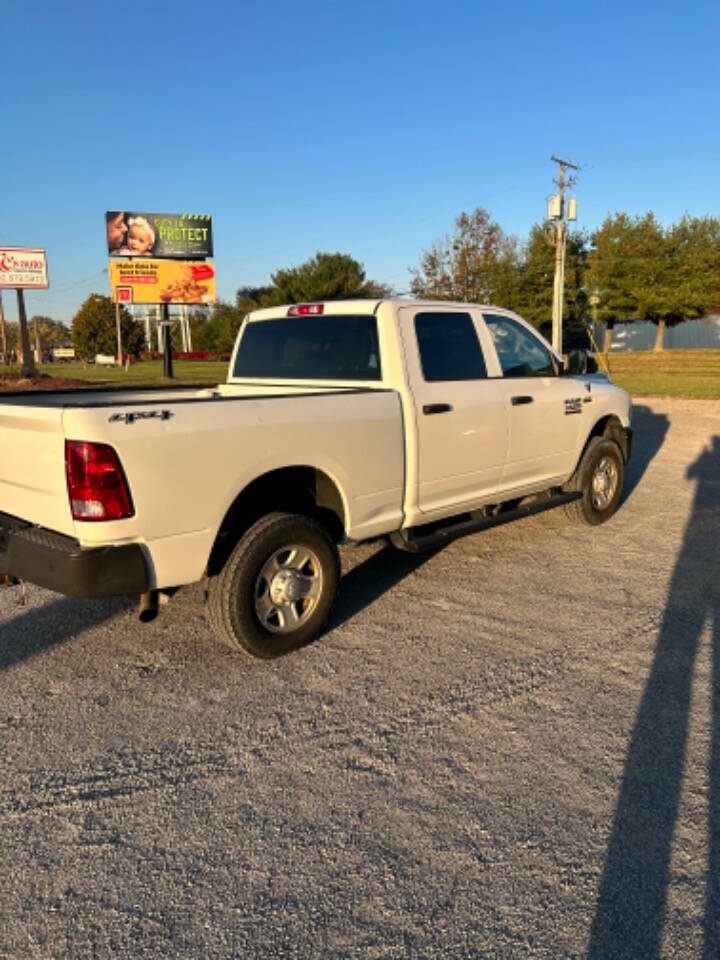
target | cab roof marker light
[{"x": 306, "y": 310}]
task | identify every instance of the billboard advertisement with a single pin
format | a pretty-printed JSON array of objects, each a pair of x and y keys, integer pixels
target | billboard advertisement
[
  {"x": 23, "y": 268},
  {"x": 179, "y": 236},
  {"x": 162, "y": 281}
]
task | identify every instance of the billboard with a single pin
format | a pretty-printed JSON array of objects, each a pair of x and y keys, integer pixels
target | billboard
[
  {"x": 23, "y": 268},
  {"x": 180, "y": 236},
  {"x": 162, "y": 281}
]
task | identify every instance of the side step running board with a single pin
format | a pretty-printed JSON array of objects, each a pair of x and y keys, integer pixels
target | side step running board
[{"x": 414, "y": 541}]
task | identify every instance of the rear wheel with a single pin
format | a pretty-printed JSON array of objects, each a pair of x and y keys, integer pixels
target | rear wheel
[
  {"x": 599, "y": 480},
  {"x": 276, "y": 590}
]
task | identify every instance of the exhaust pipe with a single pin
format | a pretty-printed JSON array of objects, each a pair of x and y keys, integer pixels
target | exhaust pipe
[{"x": 148, "y": 606}]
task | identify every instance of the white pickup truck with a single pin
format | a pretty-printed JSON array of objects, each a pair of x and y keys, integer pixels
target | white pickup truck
[{"x": 339, "y": 422}]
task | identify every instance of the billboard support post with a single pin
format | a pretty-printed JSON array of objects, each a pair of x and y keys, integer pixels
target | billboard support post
[
  {"x": 167, "y": 345},
  {"x": 119, "y": 333},
  {"x": 28, "y": 364}
]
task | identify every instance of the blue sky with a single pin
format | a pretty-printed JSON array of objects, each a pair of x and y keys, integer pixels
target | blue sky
[{"x": 362, "y": 127}]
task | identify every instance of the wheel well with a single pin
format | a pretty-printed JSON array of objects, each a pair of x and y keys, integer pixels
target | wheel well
[
  {"x": 303, "y": 490},
  {"x": 612, "y": 428}
]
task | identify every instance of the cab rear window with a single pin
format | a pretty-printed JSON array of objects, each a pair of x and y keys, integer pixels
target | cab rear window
[{"x": 329, "y": 347}]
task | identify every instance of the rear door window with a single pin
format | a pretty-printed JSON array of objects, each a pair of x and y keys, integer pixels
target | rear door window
[{"x": 449, "y": 347}]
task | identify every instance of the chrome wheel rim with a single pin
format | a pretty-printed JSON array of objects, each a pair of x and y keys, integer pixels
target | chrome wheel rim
[
  {"x": 604, "y": 483},
  {"x": 287, "y": 588}
]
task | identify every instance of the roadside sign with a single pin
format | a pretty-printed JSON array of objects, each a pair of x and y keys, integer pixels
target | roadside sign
[{"x": 23, "y": 268}]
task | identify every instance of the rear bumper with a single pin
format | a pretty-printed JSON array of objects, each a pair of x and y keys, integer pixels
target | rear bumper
[{"x": 59, "y": 563}]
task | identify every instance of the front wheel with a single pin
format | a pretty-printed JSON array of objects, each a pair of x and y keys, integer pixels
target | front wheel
[
  {"x": 276, "y": 590},
  {"x": 599, "y": 480}
]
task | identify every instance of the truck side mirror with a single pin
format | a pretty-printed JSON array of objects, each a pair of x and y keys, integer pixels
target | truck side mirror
[
  {"x": 581, "y": 362},
  {"x": 577, "y": 362}
]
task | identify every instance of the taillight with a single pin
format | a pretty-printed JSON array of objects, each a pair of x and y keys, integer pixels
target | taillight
[
  {"x": 306, "y": 310},
  {"x": 96, "y": 482}
]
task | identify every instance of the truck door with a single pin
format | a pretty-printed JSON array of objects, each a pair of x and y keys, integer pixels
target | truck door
[
  {"x": 461, "y": 418},
  {"x": 546, "y": 410}
]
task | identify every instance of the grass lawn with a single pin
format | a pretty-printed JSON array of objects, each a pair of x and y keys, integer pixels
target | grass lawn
[
  {"x": 668, "y": 373},
  {"x": 142, "y": 374}
]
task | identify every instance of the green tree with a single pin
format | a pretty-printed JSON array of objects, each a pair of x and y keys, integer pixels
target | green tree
[
  {"x": 12, "y": 335},
  {"x": 658, "y": 293},
  {"x": 615, "y": 267},
  {"x": 326, "y": 276},
  {"x": 51, "y": 333},
  {"x": 478, "y": 263},
  {"x": 250, "y": 298},
  {"x": 576, "y": 309},
  {"x": 694, "y": 253},
  {"x": 220, "y": 329},
  {"x": 533, "y": 296},
  {"x": 94, "y": 329},
  {"x": 640, "y": 269}
]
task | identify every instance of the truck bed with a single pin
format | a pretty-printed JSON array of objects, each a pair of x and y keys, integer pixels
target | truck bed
[{"x": 188, "y": 453}]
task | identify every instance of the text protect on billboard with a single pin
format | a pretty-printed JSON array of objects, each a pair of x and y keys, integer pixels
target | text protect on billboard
[
  {"x": 177, "y": 236},
  {"x": 162, "y": 281},
  {"x": 23, "y": 268}
]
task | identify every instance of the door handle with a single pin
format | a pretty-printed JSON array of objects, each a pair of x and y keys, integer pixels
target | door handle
[
  {"x": 429, "y": 408},
  {"x": 518, "y": 401}
]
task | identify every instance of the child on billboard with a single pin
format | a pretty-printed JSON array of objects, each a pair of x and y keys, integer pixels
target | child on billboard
[{"x": 140, "y": 238}]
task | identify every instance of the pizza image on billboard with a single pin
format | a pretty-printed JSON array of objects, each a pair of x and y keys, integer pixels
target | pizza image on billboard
[
  {"x": 176, "y": 236},
  {"x": 162, "y": 281}
]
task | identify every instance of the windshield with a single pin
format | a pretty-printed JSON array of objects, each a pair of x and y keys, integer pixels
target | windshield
[{"x": 310, "y": 348}]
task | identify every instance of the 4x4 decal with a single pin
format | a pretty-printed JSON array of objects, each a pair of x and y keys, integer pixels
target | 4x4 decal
[{"x": 140, "y": 415}]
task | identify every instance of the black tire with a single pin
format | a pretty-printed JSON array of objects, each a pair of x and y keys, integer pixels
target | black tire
[
  {"x": 260, "y": 602},
  {"x": 599, "y": 478}
]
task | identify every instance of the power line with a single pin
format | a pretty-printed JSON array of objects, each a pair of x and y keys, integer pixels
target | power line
[{"x": 73, "y": 285}]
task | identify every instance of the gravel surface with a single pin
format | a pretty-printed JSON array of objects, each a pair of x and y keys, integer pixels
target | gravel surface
[{"x": 510, "y": 748}]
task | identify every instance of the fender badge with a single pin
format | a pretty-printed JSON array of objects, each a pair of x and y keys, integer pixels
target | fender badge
[
  {"x": 573, "y": 405},
  {"x": 140, "y": 415}
]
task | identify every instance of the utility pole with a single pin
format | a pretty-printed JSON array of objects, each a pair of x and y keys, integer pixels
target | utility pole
[{"x": 557, "y": 213}]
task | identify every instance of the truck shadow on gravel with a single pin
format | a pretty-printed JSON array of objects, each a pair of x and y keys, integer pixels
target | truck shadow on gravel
[
  {"x": 632, "y": 900},
  {"x": 40, "y": 628},
  {"x": 369, "y": 580},
  {"x": 650, "y": 429}
]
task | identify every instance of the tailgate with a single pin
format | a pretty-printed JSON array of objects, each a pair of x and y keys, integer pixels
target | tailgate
[{"x": 33, "y": 484}]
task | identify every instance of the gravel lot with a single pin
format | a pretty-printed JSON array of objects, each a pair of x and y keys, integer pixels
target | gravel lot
[{"x": 510, "y": 748}]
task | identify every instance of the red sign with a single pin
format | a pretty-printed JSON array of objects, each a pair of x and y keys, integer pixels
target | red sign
[{"x": 203, "y": 272}]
